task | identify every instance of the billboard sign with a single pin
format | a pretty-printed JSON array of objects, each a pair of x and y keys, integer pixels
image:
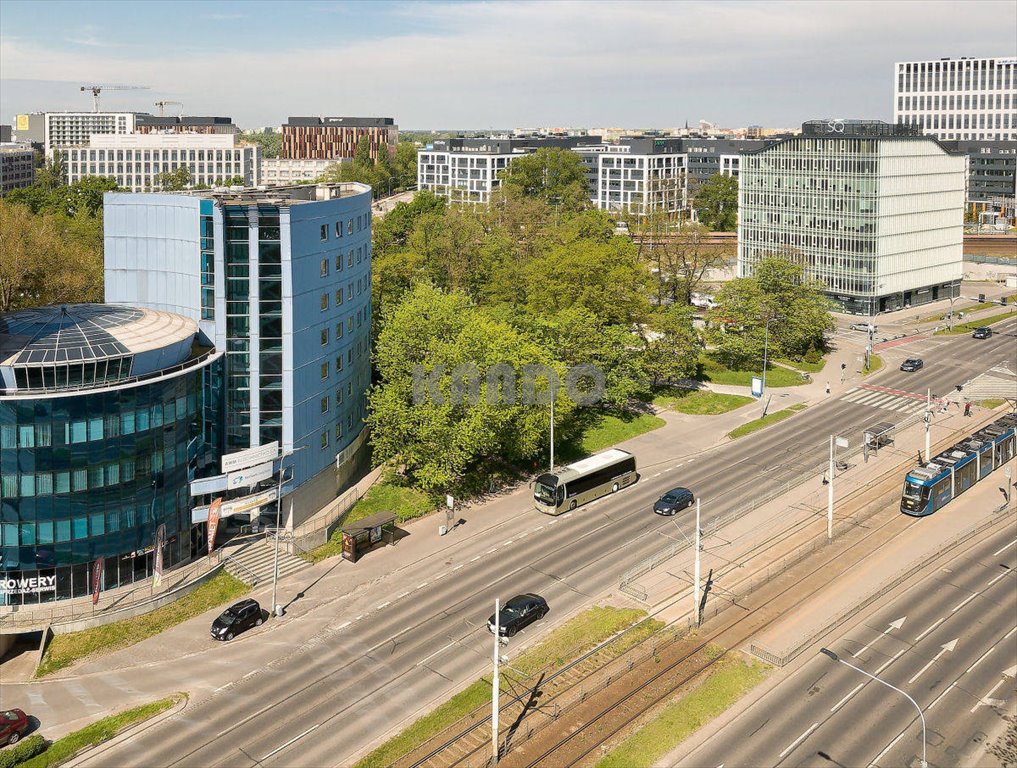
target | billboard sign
[
  {"x": 231, "y": 462},
  {"x": 245, "y": 478},
  {"x": 32, "y": 585}
]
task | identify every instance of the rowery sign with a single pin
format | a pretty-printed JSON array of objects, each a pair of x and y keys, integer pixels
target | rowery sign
[
  {"x": 27, "y": 586},
  {"x": 231, "y": 462}
]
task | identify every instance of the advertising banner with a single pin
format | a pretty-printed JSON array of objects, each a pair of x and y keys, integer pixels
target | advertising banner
[
  {"x": 245, "y": 478},
  {"x": 160, "y": 542},
  {"x": 213, "y": 523},
  {"x": 97, "y": 578},
  {"x": 243, "y": 459}
]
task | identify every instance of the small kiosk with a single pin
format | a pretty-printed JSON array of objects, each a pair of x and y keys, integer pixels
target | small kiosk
[{"x": 364, "y": 534}]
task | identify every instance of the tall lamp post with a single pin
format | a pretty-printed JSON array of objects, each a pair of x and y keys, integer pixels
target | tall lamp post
[
  {"x": 276, "y": 608},
  {"x": 835, "y": 657},
  {"x": 766, "y": 349}
]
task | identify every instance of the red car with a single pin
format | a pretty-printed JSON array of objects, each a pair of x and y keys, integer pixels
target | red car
[{"x": 13, "y": 725}]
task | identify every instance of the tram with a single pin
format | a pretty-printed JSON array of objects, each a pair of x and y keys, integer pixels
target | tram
[{"x": 934, "y": 485}]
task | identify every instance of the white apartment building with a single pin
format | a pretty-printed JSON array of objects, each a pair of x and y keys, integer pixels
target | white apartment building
[
  {"x": 638, "y": 175},
  {"x": 70, "y": 129},
  {"x": 135, "y": 160},
  {"x": 965, "y": 98},
  {"x": 874, "y": 211},
  {"x": 729, "y": 165},
  {"x": 283, "y": 170}
]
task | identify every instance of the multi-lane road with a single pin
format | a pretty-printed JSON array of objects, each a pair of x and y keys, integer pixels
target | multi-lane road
[
  {"x": 325, "y": 697},
  {"x": 950, "y": 642}
]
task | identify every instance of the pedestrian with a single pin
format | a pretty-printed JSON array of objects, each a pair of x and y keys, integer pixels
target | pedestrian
[
  {"x": 826, "y": 480},
  {"x": 827, "y": 387},
  {"x": 967, "y": 408}
]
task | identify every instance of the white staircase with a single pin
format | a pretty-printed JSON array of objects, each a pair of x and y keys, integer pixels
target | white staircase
[{"x": 253, "y": 564}]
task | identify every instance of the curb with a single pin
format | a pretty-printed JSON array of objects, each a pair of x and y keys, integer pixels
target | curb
[{"x": 88, "y": 754}]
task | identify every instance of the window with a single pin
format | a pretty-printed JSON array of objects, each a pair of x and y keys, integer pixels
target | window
[
  {"x": 339, "y": 297},
  {"x": 324, "y": 302},
  {"x": 324, "y": 232},
  {"x": 338, "y": 330},
  {"x": 338, "y": 397},
  {"x": 338, "y": 432},
  {"x": 324, "y": 439},
  {"x": 324, "y": 267},
  {"x": 359, "y": 254},
  {"x": 338, "y": 363},
  {"x": 349, "y": 259},
  {"x": 324, "y": 336},
  {"x": 349, "y": 227},
  {"x": 338, "y": 229},
  {"x": 324, "y": 405},
  {"x": 349, "y": 290},
  {"x": 324, "y": 370},
  {"x": 339, "y": 263}
]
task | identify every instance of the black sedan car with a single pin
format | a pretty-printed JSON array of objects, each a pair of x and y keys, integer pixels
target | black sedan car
[
  {"x": 912, "y": 364},
  {"x": 519, "y": 612},
  {"x": 982, "y": 333},
  {"x": 237, "y": 618},
  {"x": 673, "y": 501}
]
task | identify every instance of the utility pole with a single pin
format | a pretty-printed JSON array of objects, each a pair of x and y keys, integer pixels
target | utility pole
[
  {"x": 699, "y": 547},
  {"x": 552, "y": 430},
  {"x": 276, "y": 608},
  {"x": 495, "y": 683},
  {"x": 928, "y": 422},
  {"x": 829, "y": 497}
]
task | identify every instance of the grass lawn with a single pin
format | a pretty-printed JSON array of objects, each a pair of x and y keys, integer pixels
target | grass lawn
[
  {"x": 569, "y": 641},
  {"x": 991, "y": 403},
  {"x": 875, "y": 363},
  {"x": 770, "y": 418},
  {"x": 699, "y": 402},
  {"x": 66, "y": 649},
  {"x": 406, "y": 502},
  {"x": 61, "y": 750},
  {"x": 970, "y": 326},
  {"x": 802, "y": 365},
  {"x": 984, "y": 305},
  {"x": 610, "y": 429},
  {"x": 732, "y": 679},
  {"x": 713, "y": 370}
]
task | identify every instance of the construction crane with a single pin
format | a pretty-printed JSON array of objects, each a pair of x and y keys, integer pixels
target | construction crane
[
  {"x": 162, "y": 106},
  {"x": 97, "y": 89}
]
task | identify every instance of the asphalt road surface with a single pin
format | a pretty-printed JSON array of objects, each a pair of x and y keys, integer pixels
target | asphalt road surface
[
  {"x": 950, "y": 642},
  {"x": 320, "y": 703}
]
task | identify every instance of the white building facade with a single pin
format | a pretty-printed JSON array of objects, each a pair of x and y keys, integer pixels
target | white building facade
[
  {"x": 69, "y": 129},
  {"x": 873, "y": 211},
  {"x": 966, "y": 98},
  {"x": 283, "y": 170},
  {"x": 135, "y": 160}
]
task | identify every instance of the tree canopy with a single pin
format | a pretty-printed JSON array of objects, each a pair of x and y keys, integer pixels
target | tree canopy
[
  {"x": 716, "y": 203},
  {"x": 553, "y": 175}
]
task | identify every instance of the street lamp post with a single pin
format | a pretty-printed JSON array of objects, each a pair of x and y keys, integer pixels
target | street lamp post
[
  {"x": 276, "y": 608},
  {"x": 766, "y": 349},
  {"x": 835, "y": 657}
]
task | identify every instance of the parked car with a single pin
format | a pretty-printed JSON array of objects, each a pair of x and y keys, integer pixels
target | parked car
[
  {"x": 237, "y": 618},
  {"x": 912, "y": 364},
  {"x": 519, "y": 612},
  {"x": 982, "y": 333},
  {"x": 862, "y": 327},
  {"x": 673, "y": 501},
  {"x": 14, "y": 724}
]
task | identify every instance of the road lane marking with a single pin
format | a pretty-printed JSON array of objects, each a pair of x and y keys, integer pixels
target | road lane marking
[
  {"x": 979, "y": 661},
  {"x": 443, "y": 648},
  {"x": 950, "y": 688},
  {"x": 656, "y": 475},
  {"x": 404, "y": 594},
  {"x": 1000, "y": 576},
  {"x": 475, "y": 559},
  {"x": 295, "y": 738},
  {"x": 522, "y": 535},
  {"x": 421, "y": 586},
  {"x": 987, "y": 699},
  {"x": 964, "y": 602},
  {"x": 385, "y": 605},
  {"x": 457, "y": 567},
  {"x": 897, "y": 624},
  {"x": 943, "y": 649},
  {"x": 539, "y": 528},
  {"x": 888, "y": 748},
  {"x": 344, "y": 625},
  {"x": 932, "y": 627},
  {"x": 799, "y": 740},
  {"x": 1004, "y": 548},
  {"x": 840, "y": 703}
]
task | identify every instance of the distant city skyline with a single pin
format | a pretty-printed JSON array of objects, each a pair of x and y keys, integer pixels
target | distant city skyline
[{"x": 477, "y": 65}]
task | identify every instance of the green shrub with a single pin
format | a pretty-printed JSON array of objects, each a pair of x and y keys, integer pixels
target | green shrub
[
  {"x": 22, "y": 751},
  {"x": 813, "y": 355}
]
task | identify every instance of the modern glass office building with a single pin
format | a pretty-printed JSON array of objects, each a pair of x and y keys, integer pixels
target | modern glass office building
[
  {"x": 280, "y": 280},
  {"x": 873, "y": 211},
  {"x": 105, "y": 412}
]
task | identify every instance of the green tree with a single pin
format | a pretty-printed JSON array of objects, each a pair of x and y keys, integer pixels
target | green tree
[
  {"x": 405, "y": 163},
  {"x": 53, "y": 174},
  {"x": 391, "y": 231},
  {"x": 780, "y": 292},
  {"x": 553, "y": 175},
  {"x": 673, "y": 349},
  {"x": 269, "y": 142},
  {"x": 716, "y": 202},
  {"x": 175, "y": 180},
  {"x": 444, "y": 441},
  {"x": 362, "y": 154}
]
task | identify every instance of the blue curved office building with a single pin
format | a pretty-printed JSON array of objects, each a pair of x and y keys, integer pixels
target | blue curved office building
[{"x": 104, "y": 411}]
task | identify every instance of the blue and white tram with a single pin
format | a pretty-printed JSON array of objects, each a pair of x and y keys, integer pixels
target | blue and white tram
[{"x": 956, "y": 469}]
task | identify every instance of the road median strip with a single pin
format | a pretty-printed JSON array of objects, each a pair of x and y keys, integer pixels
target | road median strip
[{"x": 771, "y": 418}]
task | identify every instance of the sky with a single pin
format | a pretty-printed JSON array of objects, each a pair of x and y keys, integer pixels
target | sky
[{"x": 483, "y": 65}]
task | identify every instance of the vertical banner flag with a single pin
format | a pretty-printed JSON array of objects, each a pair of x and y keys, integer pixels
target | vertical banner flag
[
  {"x": 160, "y": 542},
  {"x": 96, "y": 578},
  {"x": 213, "y": 523}
]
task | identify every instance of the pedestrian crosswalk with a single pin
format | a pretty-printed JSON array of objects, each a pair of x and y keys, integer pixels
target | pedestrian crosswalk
[{"x": 886, "y": 400}]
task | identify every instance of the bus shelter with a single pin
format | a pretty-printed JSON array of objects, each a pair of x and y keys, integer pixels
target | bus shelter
[
  {"x": 366, "y": 533},
  {"x": 878, "y": 435}
]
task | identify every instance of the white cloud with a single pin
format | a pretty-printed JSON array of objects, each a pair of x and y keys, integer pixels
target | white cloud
[{"x": 536, "y": 63}]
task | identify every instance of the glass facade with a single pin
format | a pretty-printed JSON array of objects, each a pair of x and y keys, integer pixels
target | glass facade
[{"x": 94, "y": 474}]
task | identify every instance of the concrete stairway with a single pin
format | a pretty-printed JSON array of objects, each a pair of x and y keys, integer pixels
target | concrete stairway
[{"x": 253, "y": 564}]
